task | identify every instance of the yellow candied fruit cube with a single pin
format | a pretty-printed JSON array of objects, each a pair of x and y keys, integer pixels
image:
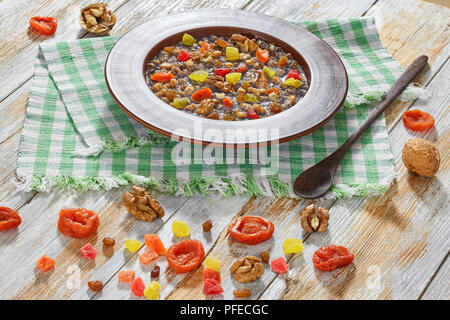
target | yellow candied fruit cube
[
  {"x": 199, "y": 75},
  {"x": 180, "y": 229},
  {"x": 293, "y": 82},
  {"x": 233, "y": 77},
  {"x": 188, "y": 40},
  {"x": 132, "y": 245},
  {"x": 152, "y": 290},
  {"x": 212, "y": 263},
  {"x": 232, "y": 53},
  {"x": 292, "y": 245}
]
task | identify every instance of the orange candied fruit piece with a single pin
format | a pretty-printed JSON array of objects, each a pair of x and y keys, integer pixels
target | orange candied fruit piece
[
  {"x": 201, "y": 94},
  {"x": 162, "y": 76},
  {"x": 148, "y": 256},
  {"x": 153, "y": 241},
  {"x": 126, "y": 275},
  {"x": 262, "y": 55},
  {"x": 45, "y": 263}
]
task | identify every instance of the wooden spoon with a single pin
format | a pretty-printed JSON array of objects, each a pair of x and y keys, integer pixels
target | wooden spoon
[{"x": 317, "y": 180}]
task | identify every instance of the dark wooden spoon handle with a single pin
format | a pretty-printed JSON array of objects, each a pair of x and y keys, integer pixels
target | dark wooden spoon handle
[{"x": 407, "y": 76}]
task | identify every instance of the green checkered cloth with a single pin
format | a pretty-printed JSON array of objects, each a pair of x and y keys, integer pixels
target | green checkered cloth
[{"x": 76, "y": 137}]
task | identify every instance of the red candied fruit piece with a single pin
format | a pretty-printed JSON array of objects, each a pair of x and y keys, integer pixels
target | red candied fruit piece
[
  {"x": 222, "y": 72},
  {"x": 89, "y": 252},
  {"x": 183, "y": 55},
  {"x": 293, "y": 74},
  {"x": 252, "y": 114},
  {"x": 45, "y": 263},
  {"x": 138, "y": 287},
  {"x": 211, "y": 287},
  {"x": 126, "y": 275},
  {"x": 148, "y": 256},
  {"x": 154, "y": 242},
  {"x": 279, "y": 265},
  {"x": 211, "y": 274}
]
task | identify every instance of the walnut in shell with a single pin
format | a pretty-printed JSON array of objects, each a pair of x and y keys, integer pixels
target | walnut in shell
[
  {"x": 142, "y": 205},
  {"x": 247, "y": 269},
  {"x": 96, "y": 18},
  {"x": 310, "y": 222},
  {"x": 421, "y": 156}
]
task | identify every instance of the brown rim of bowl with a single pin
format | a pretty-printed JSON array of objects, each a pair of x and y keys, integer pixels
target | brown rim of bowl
[{"x": 246, "y": 31}]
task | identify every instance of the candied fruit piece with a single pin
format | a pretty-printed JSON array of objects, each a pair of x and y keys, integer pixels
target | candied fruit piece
[
  {"x": 250, "y": 97},
  {"x": 211, "y": 274},
  {"x": 132, "y": 245},
  {"x": 109, "y": 242},
  {"x": 148, "y": 256},
  {"x": 180, "y": 229},
  {"x": 293, "y": 82},
  {"x": 180, "y": 103},
  {"x": 279, "y": 265},
  {"x": 154, "y": 242},
  {"x": 138, "y": 287},
  {"x": 233, "y": 77},
  {"x": 199, "y": 75},
  {"x": 292, "y": 245},
  {"x": 155, "y": 272},
  {"x": 95, "y": 285},
  {"x": 207, "y": 225},
  {"x": 152, "y": 290},
  {"x": 232, "y": 53},
  {"x": 188, "y": 40},
  {"x": 45, "y": 263},
  {"x": 212, "y": 263},
  {"x": 126, "y": 275},
  {"x": 88, "y": 251},
  {"x": 270, "y": 72},
  {"x": 211, "y": 287}
]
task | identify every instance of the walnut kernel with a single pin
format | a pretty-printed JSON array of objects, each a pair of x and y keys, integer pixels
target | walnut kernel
[
  {"x": 247, "y": 269},
  {"x": 142, "y": 205},
  {"x": 95, "y": 18}
]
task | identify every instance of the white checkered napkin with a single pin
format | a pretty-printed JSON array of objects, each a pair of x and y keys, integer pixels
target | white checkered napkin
[{"x": 70, "y": 111}]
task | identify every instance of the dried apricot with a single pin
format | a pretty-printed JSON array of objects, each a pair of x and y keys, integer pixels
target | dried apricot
[
  {"x": 45, "y": 263},
  {"x": 332, "y": 257},
  {"x": 186, "y": 255},
  {"x": 77, "y": 223},
  {"x": 126, "y": 275},
  {"x": 417, "y": 120},
  {"x": 9, "y": 218},
  {"x": 251, "y": 229}
]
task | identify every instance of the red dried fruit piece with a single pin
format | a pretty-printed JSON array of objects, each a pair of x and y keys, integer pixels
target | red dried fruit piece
[
  {"x": 222, "y": 72},
  {"x": 211, "y": 274},
  {"x": 45, "y": 263},
  {"x": 186, "y": 255},
  {"x": 211, "y": 287},
  {"x": 251, "y": 229},
  {"x": 138, "y": 287},
  {"x": 44, "y": 25},
  {"x": 417, "y": 120},
  {"x": 251, "y": 113},
  {"x": 88, "y": 251},
  {"x": 332, "y": 257},
  {"x": 183, "y": 55},
  {"x": 77, "y": 223},
  {"x": 148, "y": 256},
  {"x": 153, "y": 241},
  {"x": 201, "y": 94},
  {"x": 126, "y": 275},
  {"x": 9, "y": 218},
  {"x": 293, "y": 74},
  {"x": 279, "y": 265},
  {"x": 162, "y": 76}
]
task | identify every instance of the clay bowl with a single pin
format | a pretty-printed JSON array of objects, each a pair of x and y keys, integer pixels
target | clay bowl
[{"x": 326, "y": 75}]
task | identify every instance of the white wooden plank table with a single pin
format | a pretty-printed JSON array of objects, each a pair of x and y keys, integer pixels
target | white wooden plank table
[{"x": 401, "y": 240}]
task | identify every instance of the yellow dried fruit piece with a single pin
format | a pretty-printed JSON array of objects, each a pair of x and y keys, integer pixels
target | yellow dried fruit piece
[
  {"x": 233, "y": 77},
  {"x": 212, "y": 263},
  {"x": 293, "y": 82},
  {"x": 232, "y": 53},
  {"x": 152, "y": 290},
  {"x": 292, "y": 245},
  {"x": 199, "y": 76},
  {"x": 250, "y": 97},
  {"x": 188, "y": 40},
  {"x": 132, "y": 245},
  {"x": 270, "y": 73},
  {"x": 180, "y": 103},
  {"x": 180, "y": 229}
]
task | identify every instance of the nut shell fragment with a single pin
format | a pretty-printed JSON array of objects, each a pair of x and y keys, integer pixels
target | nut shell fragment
[
  {"x": 96, "y": 18},
  {"x": 142, "y": 205},
  {"x": 310, "y": 222},
  {"x": 247, "y": 269},
  {"x": 421, "y": 156}
]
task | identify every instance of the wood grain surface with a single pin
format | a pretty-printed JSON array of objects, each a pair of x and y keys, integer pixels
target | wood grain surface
[{"x": 401, "y": 239}]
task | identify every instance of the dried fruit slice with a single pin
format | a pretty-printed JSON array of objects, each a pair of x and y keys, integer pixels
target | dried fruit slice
[
  {"x": 77, "y": 223},
  {"x": 126, "y": 275},
  {"x": 9, "y": 218},
  {"x": 148, "y": 256},
  {"x": 44, "y": 25},
  {"x": 154, "y": 242},
  {"x": 185, "y": 256},
  {"x": 45, "y": 263},
  {"x": 332, "y": 257},
  {"x": 88, "y": 251},
  {"x": 279, "y": 265},
  {"x": 417, "y": 120},
  {"x": 138, "y": 287},
  {"x": 251, "y": 229}
]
